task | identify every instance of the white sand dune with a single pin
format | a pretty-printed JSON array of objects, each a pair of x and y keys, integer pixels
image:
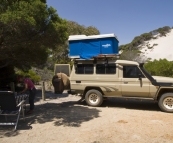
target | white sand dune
[{"x": 162, "y": 47}]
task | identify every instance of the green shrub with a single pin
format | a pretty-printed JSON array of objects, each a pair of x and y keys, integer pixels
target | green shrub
[
  {"x": 163, "y": 30},
  {"x": 150, "y": 47},
  {"x": 160, "y": 67},
  {"x": 31, "y": 74}
]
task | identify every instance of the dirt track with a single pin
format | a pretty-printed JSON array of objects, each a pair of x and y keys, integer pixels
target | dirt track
[{"x": 64, "y": 120}]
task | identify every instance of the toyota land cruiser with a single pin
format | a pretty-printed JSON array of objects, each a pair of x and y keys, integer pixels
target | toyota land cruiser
[{"x": 97, "y": 79}]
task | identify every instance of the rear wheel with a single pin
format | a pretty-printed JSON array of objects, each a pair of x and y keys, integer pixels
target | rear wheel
[
  {"x": 166, "y": 102},
  {"x": 93, "y": 98}
]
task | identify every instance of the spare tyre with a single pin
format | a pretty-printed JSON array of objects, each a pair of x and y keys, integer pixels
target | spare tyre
[
  {"x": 65, "y": 80},
  {"x": 58, "y": 85}
]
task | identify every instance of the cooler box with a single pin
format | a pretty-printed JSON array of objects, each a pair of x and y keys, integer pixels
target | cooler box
[{"x": 87, "y": 47}]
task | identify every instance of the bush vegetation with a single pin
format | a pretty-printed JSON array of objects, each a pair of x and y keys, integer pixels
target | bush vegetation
[
  {"x": 31, "y": 74},
  {"x": 160, "y": 67}
]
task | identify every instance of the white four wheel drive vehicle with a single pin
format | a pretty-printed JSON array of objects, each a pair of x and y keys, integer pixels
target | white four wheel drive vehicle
[{"x": 97, "y": 79}]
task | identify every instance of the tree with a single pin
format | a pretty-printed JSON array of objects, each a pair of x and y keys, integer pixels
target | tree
[
  {"x": 29, "y": 28},
  {"x": 76, "y": 29},
  {"x": 132, "y": 56}
]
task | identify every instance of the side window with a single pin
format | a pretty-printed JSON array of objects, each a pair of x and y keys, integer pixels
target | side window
[
  {"x": 89, "y": 69},
  {"x": 132, "y": 72},
  {"x": 111, "y": 69},
  {"x": 102, "y": 69},
  {"x": 84, "y": 69},
  {"x": 80, "y": 69}
]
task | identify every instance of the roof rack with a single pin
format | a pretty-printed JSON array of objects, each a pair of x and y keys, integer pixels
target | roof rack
[
  {"x": 100, "y": 56},
  {"x": 108, "y": 56}
]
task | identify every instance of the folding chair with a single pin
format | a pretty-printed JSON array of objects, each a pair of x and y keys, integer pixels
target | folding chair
[{"x": 10, "y": 107}]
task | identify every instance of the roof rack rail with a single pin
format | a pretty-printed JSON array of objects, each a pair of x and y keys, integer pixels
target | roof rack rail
[
  {"x": 100, "y": 56},
  {"x": 108, "y": 56}
]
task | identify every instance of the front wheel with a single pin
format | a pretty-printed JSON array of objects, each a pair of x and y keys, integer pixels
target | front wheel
[
  {"x": 166, "y": 102},
  {"x": 94, "y": 98}
]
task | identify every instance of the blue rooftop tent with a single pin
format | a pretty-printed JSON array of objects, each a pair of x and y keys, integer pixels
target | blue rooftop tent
[{"x": 87, "y": 47}]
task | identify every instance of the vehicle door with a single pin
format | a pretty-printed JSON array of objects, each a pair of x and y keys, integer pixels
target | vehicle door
[
  {"x": 107, "y": 79},
  {"x": 134, "y": 83}
]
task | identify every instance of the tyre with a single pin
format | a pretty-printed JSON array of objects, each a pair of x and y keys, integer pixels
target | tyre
[
  {"x": 166, "y": 102},
  {"x": 93, "y": 98}
]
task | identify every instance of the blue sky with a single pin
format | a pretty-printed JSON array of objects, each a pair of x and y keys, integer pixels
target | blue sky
[{"x": 125, "y": 18}]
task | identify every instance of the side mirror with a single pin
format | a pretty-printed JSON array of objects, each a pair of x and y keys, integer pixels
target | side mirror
[{"x": 140, "y": 76}]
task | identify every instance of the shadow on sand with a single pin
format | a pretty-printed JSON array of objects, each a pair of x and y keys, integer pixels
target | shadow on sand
[
  {"x": 67, "y": 113},
  {"x": 70, "y": 113},
  {"x": 135, "y": 104}
]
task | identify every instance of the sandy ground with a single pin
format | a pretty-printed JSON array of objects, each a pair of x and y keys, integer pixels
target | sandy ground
[{"x": 62, "y": 119}]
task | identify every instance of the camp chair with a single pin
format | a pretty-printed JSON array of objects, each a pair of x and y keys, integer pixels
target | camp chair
[{"x": 11, "y": 105}]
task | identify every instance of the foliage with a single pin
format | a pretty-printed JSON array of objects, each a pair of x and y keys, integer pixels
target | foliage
[
  {"x": 33, "y": 35},
  {"x": 31, "y": 74},
  {"x": 29, "y": 28},
  {"x": 150, "y": 47},
  {"x": 163, "y": 30},
  {"x": 160, "y": 67},
  {"x": 132, "y": 56},
  {"x": 76, "y": 29}
]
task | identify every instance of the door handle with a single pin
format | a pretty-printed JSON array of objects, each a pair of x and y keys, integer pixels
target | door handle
[
  {"x": 77, "y": 81},
  {"x": 125, "y": 82}
]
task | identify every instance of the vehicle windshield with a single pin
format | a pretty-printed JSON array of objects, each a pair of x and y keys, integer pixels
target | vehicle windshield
[
  {"x": 147, "y": 74},
  {"x": 153, "y": 81}
]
